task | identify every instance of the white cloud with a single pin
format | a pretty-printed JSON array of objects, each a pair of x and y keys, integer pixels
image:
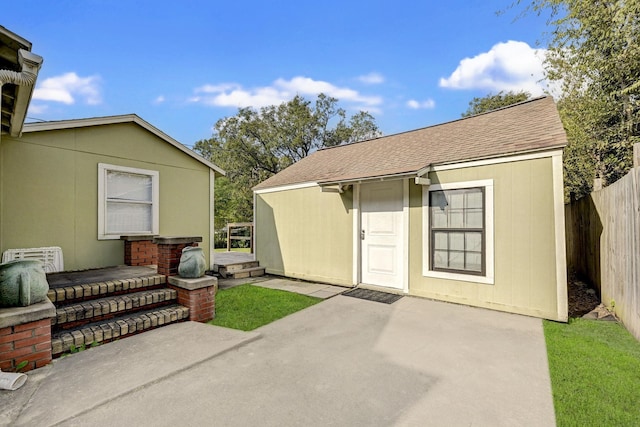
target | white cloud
[
  {"x": 510, "y": 66},
  {"x": 37, "y": 109},
  {"x": 372, "y": 78},
  {"x": 68, "y": 88},
  {"x": 281, "y": 90},
  {"x": 159, "y": 99},
  {"x": 428, "y": 104}
]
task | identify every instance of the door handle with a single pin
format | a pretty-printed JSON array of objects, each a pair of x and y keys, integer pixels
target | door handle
[{"x": 362, "y": 234}]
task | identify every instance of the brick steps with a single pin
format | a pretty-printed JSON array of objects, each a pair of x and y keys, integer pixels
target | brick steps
[
  {"x": 97, "y": 309},
  {"x": 101, "y": 311},
  {"x": 118, "y": 327}
]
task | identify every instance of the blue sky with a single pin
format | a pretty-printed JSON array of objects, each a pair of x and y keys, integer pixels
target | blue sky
[{"x": 182, "y": 65}]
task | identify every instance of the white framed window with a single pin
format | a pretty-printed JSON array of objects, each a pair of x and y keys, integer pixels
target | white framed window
[
  {"x": 458, "y": 231},
  {"x": 128, "y": 201}
]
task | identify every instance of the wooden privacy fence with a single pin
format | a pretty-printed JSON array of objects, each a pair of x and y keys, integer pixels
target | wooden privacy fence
[{"x": 603, "y": 244}]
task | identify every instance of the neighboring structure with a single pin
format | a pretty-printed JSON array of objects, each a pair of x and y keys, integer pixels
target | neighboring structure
[
  {"x": 18, "y": 73},
  {"x": 82, "y": 184},
  {"x": 469, "y": 211}
]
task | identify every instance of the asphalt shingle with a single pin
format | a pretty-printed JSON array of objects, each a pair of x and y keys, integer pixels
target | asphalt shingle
[{"x": 528, "y": 126}]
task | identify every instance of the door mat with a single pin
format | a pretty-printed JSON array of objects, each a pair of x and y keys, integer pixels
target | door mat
[{"x": 370, "y": 295}]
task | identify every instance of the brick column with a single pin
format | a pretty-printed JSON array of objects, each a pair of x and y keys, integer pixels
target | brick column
[
  {"x": 140, "y": 250},
  {"x": 25, "y": 336},
  {"x": 198, "y": 295},
  {"x": 170, "y": 250}
]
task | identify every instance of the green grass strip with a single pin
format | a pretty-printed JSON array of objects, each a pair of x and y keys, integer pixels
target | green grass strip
[
  {"x": 595, "y": 373},
  {"x": 248, "y": 307}
]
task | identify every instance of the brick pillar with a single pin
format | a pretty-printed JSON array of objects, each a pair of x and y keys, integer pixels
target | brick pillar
[
  {"x": 140, "y": 250},
  {"x": 25, "y": 336},
  {"x": 170, "y": 251},
  {"x": 198, "y": 295}
]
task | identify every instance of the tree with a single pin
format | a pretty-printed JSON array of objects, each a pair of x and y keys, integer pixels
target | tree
[
  {"x": 594, "y": 54},
  {"x": 493, "y": 102},
  {"x": 256, "y": 144}
]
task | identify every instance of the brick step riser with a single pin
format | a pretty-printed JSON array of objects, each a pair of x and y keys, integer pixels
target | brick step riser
[
  {"x": 115, "y": 329},
  {"x": 88, "y": 310},
  {"x": 70, "y": 325},
  {"x": 108, "y": 294},
  {"x": 87, "y": 292}
]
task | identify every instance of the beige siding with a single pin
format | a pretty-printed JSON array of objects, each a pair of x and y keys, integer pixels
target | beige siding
[
  {"x": 50, "y": 182},
  {"x": 524, "y": 239},
  {"x": 306, "y": 234}
]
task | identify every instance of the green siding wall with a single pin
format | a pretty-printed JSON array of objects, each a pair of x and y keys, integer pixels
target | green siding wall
[
  {"x": 49, "y": 185},
  {"x": 524, "y": 240},
  {"x": 306, "y": 234}
]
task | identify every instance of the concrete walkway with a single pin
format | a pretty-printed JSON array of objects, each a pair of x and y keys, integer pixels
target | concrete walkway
[
  {"x": 344, "y": 361},
  {"x": 319, "y": 290}
]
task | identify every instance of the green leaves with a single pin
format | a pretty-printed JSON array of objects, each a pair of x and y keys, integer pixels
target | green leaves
[
  {"x": 594, "y": 54},
  {"x": 493, "y": 102},
  {"x": 256, "y": 144}
]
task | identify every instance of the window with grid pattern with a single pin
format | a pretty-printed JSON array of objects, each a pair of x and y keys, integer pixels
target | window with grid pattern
[{"x": 457, "y": 230}]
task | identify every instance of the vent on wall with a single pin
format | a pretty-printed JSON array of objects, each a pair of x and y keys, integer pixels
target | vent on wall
[{"x": 51, "y": 257}]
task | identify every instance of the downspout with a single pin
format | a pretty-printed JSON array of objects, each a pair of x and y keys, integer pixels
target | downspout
[{"x": 30, "y": 64}]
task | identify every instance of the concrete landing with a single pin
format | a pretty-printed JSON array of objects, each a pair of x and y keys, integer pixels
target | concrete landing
[{"x": 76, "y": 384}]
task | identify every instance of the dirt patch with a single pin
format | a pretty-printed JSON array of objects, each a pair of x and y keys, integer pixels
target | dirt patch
[{"x": 582, "y": 297}]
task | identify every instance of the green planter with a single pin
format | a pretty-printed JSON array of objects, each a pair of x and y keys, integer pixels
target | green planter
[
  {"x": 22, "y": 283},
  {"x": 192, "y": 263}
]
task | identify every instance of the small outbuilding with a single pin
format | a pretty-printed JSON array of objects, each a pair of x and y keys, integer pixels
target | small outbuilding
[
  {"x": 83, "y": 184},
  {"x": 470, "y": 211}
]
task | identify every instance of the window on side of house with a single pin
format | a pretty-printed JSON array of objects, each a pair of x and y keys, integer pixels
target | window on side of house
[
  {"x": 458, "y": 231},
  {"x": 127, "y": 201}
]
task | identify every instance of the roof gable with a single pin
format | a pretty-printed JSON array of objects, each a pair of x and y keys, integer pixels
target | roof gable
[
  {"x": 529, "y": 126},
  {"x": 128, "y": 118}
]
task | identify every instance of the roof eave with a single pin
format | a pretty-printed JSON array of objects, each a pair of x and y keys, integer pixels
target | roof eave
[
  {"x": 30, "y": 62},
  {"x": 362, "y": 180}
]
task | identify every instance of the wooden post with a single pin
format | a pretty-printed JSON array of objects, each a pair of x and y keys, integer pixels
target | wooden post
[
  {"x": 636, "y": 155},
  {"x": 597, "y": 184}
]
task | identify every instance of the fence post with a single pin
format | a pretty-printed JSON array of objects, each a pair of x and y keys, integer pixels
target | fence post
[
  {"x": 597, "y": 184},
  {"x": 636, "y": 155}
]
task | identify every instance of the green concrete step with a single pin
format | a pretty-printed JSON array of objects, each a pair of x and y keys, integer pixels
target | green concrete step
[
  {"x": 120, "y": 327},
  {"x": 245, "y": 273},
  {"x": 87, "y": 311}
]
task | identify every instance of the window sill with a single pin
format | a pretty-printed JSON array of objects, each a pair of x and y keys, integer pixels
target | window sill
[{"x": 485, "y": 280}]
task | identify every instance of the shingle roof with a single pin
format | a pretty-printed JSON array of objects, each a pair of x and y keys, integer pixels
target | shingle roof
[{"x": 528, "y": 126}]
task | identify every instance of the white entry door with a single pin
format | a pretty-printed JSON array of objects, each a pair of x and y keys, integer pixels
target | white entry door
[{"x": 382, "y": 233}]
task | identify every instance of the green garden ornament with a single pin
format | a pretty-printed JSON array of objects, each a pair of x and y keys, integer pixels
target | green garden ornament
[
  {"x": 23, "y": 282},
  {"x": 192, "y": 263}
]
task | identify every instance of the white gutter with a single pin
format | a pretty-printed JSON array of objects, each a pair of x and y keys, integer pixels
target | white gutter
[{"x": 30, "y": 64}]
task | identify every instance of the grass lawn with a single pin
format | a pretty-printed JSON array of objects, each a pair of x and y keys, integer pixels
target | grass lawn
[
  {"x": 245, "y": 250},
  {"x": 595, "y": 373},
  {"x": 248, "y": 307}
]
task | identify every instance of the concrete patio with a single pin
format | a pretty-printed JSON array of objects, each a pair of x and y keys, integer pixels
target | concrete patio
[{"x": 344, "y": 361}]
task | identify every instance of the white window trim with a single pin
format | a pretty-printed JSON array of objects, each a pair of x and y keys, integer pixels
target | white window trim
[
  {"x": 103, "y": 168},
  {"x": 488, "y": 278}
]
